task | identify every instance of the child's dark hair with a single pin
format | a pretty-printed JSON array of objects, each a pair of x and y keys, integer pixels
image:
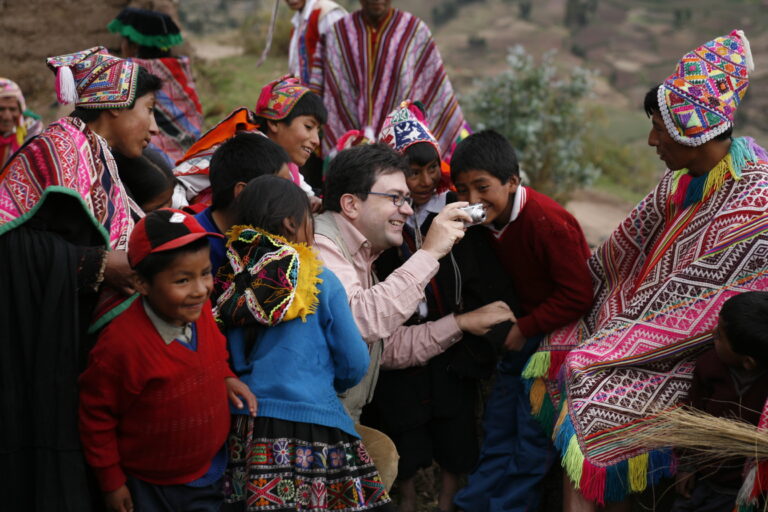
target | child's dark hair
[
  {"x": 421, "y": 154},
  {"x": 267, "y": 200},
  {"x": 355, "y": 170},
  {"x": 744, "y": 319},
  {"x": 240, "y": 159},
  {"x": 145, "y": 177},
  {"x": 651, "y": 105},
  {"x": 309, "y": 105},
  {"x": 156, "y": 262},
  {"x": 146, "y": 82},
  {"x": 488, "y": 151}
]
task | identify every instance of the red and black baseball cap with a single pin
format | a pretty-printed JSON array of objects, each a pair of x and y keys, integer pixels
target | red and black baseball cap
[{"x": 163, "y": 230}]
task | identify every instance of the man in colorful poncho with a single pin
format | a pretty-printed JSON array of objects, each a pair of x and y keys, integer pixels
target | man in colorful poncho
[
  {"x": 369, "y": 62},
  {"x": 700, "y": 237},
  {"x": 62, "y": 208},
  {"x": 17, "y": 124},
  {"x": 147, "y": 39},
  {"x": 312, "y": 20}
]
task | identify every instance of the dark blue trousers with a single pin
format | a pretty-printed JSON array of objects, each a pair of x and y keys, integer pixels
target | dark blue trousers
[
  {"x": 175, "y": 498},
  {"x": 516, "y": 453}
]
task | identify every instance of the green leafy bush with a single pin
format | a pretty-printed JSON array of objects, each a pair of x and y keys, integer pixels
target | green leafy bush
[{"x": 539, "y": 109}]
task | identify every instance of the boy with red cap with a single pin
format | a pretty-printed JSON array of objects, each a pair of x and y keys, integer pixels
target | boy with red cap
[{"x": 153, "y": 407}]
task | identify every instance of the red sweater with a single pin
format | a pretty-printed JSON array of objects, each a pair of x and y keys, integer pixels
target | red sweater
[
  {"x": 545, "y": 253},
  {"x": 158, "y": 412}
]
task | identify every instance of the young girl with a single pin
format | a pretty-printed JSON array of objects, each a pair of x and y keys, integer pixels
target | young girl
[
  {"x": 148, "y": 180},
  {"x": 294, "y": 341}
]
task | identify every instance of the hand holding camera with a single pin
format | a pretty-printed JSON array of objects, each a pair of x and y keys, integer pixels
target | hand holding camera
[{"x": 448, "y": 227}]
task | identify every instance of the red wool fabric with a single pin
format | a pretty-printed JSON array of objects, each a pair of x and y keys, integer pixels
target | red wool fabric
[
  {"x": 545, "y": 253},
  {"x": 158, "y": 412}
]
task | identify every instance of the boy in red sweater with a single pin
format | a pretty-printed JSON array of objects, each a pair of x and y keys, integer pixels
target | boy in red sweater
[
  {"x": 544, "y": 252},
  {"x": 153, "y": 399}
]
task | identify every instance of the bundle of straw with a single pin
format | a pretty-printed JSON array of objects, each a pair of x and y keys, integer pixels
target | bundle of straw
[{"x": 701, "y": 432}]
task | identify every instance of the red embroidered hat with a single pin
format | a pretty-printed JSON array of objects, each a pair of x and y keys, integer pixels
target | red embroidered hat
[
  {"x": 278, "y": 98},
  {"x": 163, "y": 230},
  {"x": 93, "y": 78}
]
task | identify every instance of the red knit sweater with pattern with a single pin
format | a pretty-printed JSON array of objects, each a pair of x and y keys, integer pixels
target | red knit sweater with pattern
[
  {"x": 545, "y": 253},
  {"x": 153, "y": 410}
]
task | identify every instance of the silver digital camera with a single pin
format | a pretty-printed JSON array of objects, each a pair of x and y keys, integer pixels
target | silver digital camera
[{"x": 476, "y": 212}]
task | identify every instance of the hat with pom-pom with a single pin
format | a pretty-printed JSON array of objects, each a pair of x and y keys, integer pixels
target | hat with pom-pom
[
  {"x": 94, "y": 79},
  {"x": 406, "y": 126},
  {"x": 699, "y": 100}
]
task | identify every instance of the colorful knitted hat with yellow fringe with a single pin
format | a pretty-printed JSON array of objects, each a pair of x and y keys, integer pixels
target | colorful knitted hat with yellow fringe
[
  {"x": 266, "y": 279},
  {"x": 278, "y": 98},
  {"x": 699, "y": 100},
  {"x": 94, "y": 79}
]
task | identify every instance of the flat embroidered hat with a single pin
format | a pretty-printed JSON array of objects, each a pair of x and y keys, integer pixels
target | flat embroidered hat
[
  {"x": 93, "y": 78},
  {"x": 278, "y": 98},
  {"x": 146, "y": 28},
  {"x": 406, "y": 126},
  {"x": 699, "y": 100},
  {"x": 163, "y": 230},
  {"x": 10, "y": 89}
]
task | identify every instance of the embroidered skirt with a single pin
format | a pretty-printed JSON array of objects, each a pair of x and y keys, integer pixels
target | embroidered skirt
[{"x": 279, "y": 465}]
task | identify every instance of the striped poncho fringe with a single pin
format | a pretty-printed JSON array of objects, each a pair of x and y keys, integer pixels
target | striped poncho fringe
[
  {"x": 659, "y": 282},
  {"x": 362, "y": 78}
]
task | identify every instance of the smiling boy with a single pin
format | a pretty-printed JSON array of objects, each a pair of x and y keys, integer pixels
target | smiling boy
[
  {"x": 153, "y": 399},
  {"x": 544, "y": 252}
]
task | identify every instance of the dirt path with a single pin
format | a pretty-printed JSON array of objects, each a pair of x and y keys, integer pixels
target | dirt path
[{"x": 598, "y": 213}]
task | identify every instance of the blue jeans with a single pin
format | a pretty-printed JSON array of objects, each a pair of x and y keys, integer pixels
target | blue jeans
[{"x": 516, "y": 453}]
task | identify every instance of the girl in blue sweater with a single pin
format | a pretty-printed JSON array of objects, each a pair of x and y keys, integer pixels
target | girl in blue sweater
[{"x": 293, "y": 340}]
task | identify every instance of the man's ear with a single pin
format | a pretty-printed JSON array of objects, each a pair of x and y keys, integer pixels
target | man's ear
[
  {"x": 289, "y": 228},
  {"x": 749, "y": 363},
  {"x": 350, "y": 206},
  {"x": 271, "y": 126},
  {"x": 115, "y": 112},
  {"x": 141, "y": 284},
  {"x": 514, "y": 183},
  {"x": 238, "y": 188}
]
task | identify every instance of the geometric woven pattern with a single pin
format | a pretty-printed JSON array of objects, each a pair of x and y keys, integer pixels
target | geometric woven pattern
[
  {"x": 68, "y": 154},
  {"x": 698, "y": 101},
  {"x": 101, "y": 80},
  {"x": 288, "y": 474},
  {"x": 632, "y": 354},
  {"x": 177, "y": 107},
  {"x": 404, "y": 127},
  {"x": 278, "y": 98}
]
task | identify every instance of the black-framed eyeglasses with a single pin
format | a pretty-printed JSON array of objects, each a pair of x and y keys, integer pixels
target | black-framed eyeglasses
[{"x": 397, "y": 199}]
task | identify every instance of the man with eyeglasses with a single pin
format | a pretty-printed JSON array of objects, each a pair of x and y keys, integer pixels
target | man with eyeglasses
[{"x": 367, "y": 203}]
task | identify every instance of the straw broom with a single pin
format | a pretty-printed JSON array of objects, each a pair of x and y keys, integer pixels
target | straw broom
[{"x": 701, "y": 432}]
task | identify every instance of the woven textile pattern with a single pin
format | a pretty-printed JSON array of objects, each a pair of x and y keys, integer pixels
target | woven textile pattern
[
  {"x": 178, "y": 111},
  {"x": 361, "y": 82},
  {"x": 699, "y": 100},
  {"x": 632, "y": 354},
  {"x": 68, "y": 154}
]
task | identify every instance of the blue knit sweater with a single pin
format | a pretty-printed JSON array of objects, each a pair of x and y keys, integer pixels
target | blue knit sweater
[{"x": 296, "y": 369}]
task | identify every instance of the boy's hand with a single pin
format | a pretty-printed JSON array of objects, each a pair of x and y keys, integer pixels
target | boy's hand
[
  {"x": 684, "y": 482},
  {"x": 515, "y": 339},
  {"x": 118, "y": 273},
  {"x": 119, "y": 500},
  {"x": 447, "y": 228},
  {"x": 237, "y": 389},
  {"x": 480, "y": 320}
]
